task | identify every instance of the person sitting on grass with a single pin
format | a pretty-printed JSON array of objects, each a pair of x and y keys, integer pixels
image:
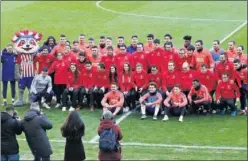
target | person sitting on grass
[
  {"x": 151, "y": 102},
  {"x": 175, "y": 104},
  {"x": 115, "y": 100},
  {"x": 199, "y": 98},
  {"x": 41, "y": 88}
]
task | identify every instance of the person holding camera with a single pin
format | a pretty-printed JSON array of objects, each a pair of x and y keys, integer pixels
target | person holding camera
[
  {"x": 110, "y": 135},
  {"x": 10, "y": 127},
  {"x": 34, "y": 126}
]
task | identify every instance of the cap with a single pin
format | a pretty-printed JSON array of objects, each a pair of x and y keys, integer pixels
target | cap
[
  {"x": 44, "y": 69},
  {"x": 107, "y": 115}
]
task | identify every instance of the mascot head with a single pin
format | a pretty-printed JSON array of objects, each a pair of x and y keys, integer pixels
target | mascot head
[{"x": 26, "y": 41}]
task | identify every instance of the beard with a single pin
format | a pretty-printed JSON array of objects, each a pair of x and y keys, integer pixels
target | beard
[
  {"x": 102, "y": 45},
  {"x": 200, "y": 50}
]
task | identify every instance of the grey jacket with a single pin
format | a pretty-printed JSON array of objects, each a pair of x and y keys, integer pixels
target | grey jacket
[{"x": 40, "y": 83}]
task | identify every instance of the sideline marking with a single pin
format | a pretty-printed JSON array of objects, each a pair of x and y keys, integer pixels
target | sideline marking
[
  {"x": 95, "y": 138},
  {"x": 161, "y": 17},
  {"x": 163, "y": 145}
]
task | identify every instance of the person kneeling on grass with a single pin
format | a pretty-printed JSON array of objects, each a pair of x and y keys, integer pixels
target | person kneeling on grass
[
  {"x": 175, "y": 104},
  {"x": 151, "y": 102},
  {"x": 41, "y": 88},
  {"x": 115, "y": 100}
]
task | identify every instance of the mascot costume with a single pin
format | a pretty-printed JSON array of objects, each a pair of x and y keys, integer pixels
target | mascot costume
[{"x": 26, "y": 47}]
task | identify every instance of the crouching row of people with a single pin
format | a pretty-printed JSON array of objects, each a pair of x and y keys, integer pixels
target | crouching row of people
[{"x": 198, "y": 100}]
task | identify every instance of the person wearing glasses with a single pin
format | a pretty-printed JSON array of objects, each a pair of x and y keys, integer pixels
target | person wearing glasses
[{"x": 227, "y": 94}]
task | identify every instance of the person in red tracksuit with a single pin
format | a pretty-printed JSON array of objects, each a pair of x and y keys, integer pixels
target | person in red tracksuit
[
  {"x": 209, "y": 79},
  {"x": 127, "y": 86},
  {"x": 121, "y": 58},
  {"x": 113, "y": 74},
  {"x": 68, "y": 55},
  {"x": 168, "y": 55},
  {"x": 60, "y": 47},
  {"x": 43, "y": 60},
  {"x": 227, "y": 93},
  {"x": 156, "y": 56},
  {"x": 72, "y": 88},
  {"x": 60, "y": 67},
  {"x": 170, "y": 78},
  {"x": 101, "y": 84},
  {"x": 190, "y": 51},
  {"x": 81, "y": 61},
  {"x": 242, "y": 74},
  {"x": 140, "y": 78},
  {"x": 224, "y": 66},
  {"x": 182, "y": 58},
  {"x": 139, "y": 57},
  {"x": 186, "y": 78},
  {"x": 108, "y": 60},
  {"x": 199, "y": 98},
  {"x": 88, "y": 83}
]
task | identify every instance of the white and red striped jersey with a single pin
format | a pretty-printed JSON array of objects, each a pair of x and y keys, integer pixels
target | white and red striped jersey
[{"x": 27, "y": 66}]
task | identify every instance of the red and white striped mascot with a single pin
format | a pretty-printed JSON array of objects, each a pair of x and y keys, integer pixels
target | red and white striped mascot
[{"x": 26, "y": 47}]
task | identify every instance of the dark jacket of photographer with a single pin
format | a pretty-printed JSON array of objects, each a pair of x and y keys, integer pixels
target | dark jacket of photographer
[
  {"x": 10, "y": 127},
  {"x": 34, "y": 126}
]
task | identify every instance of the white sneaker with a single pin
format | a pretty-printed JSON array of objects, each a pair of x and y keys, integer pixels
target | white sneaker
[
  {"x": 54, "y": 98},
  {"x": 166, "y": 118},
  {"x": 71, "y": 109},
  {"x": 180, "y": 119},
  {"x": 126, "y": 109},
  {"x": 57, "y": 105},
  {"x": 214, "y": 112},
  {"x": 46, "y": 105},
  {"x": 42, "y": 100},
  {"x": 63, "y": 109},
  {"x": 154, "y": 118},
  {"x": 143, "y": 117}
]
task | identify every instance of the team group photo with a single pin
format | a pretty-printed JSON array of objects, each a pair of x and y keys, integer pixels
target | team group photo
[{"x": 123, "y": 88}]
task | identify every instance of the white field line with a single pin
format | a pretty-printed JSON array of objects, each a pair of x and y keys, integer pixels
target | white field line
[
  {"x": 163, "y": 145},
  {"x": 162, "y": 17},
  {"x": 95, "y": 138}
]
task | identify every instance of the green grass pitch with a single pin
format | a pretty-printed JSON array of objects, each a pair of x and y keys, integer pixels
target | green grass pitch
[{"x": 73, "y": 18}]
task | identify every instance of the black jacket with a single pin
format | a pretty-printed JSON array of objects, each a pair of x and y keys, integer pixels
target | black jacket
[
  {"x": 34, "y": 126},
  {"x": 10, "y": 127}
]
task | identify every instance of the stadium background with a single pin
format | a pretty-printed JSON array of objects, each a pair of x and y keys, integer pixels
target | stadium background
[{"x": 211, "y": 137}]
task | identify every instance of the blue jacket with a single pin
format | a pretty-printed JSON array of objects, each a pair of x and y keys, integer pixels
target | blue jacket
[
  {"x": 131, "y": 49},
  {"x": 8, "y": 66}
]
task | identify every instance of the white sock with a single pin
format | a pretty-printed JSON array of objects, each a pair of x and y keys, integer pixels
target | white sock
[
  {"x": 143, "y": 109},
  {"x": 4, "y": 100},
  {"x": 13, "y": 99},
  {"x": 156, "y": 110}
]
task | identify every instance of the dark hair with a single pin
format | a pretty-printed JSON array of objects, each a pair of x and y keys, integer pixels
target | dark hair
[
  {"x": 156, "y": 41},
  {"x": 187, "y": 37},
  {"x": 110, "y": 48},
  {"x": 232, "y": 42},
  {"x": 88, "y": 62},
  {"x": 102, "y": 37},
  {"x": 196, "y": 80},
  {"x": 168, "y": 43},
  {"x": 123, "y": 45},
  {"x": 94, "y": 47},
  {"x": 91, "y": 39},
  {"x": 101, "y": 65},
  {"x": 75, "y": 41},
  {"x": 68, "y": 42},
  {"x": 150, "y": 35},
  {"x": 236, "y": 61},
  {"x": 129, "y": 70},
  {"x": 82, "y": 35},
  {"x": 242, "y": 47},
  {"x": 178, "y": 86},
  {"x": 168, "y": 35},
  {"x": 191, "y": 47},
  {"x": 111, "y": 75},
  {"x": 76, "y": 73},
  {"x": 120, "y": 37},
  {"x": 50, "y": 37},
  {"x": 110, "y": 38},
  {"x": 200, "y": 41},
  {"x": 74, "y": 127},
  {"x": 62, "y": 35},
  {"x": 218, "y": 42},
  {"x": 82, "y": 54},
  {"x": 204, "y": 65},
  {"x": 225, "y": 73},
  {"x": 134, "y": 36},
  {"x": 44, "y": 47},
  {"x": 153, "y": 84},
  {"x": 140, "y": 44},
  {"x": 10, "y": 108}
]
